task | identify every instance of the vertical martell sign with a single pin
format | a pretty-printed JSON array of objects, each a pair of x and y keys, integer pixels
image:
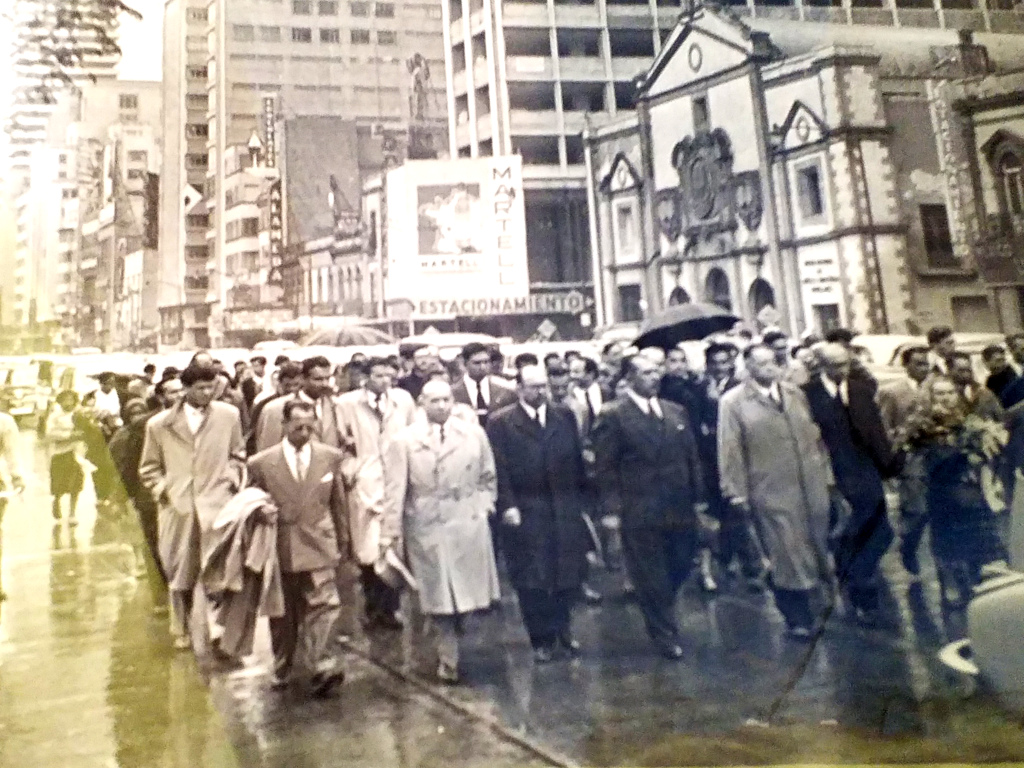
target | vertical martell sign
[{"x": 270, "y": 130}]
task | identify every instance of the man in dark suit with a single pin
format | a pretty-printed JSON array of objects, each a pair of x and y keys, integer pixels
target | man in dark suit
[
  {"x": 862, "y": 456},
  {"x": 541, "y": 500},
  {"x": 304, "y": 478},
  {"x": 478, "y": 388},
  {"x": 650, "y": 476},
  {"x": 289, "y": 382}
]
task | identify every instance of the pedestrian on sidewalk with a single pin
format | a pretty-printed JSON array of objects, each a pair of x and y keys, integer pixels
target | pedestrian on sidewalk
[
  {"x": 11, "y": 477},
  {"x": 369, "y": 418},
  {"x": 63, "y": 437},
  {"x": 304, "y": 478},
  {"x": 538, "y": 456},
  {"x": 440, "y": 489},
  {"x": 192, "y": 463}
]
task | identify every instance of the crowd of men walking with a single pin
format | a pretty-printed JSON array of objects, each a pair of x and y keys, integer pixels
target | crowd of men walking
[{"x": 769, "y": 469}]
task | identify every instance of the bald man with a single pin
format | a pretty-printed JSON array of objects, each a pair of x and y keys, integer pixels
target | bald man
[
  {"x": 440, "y": 490},
  {"x": 852, "y": 429}
]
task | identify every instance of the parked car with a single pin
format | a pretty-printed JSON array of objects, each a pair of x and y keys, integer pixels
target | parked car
[{"x": 20, "y": 388}]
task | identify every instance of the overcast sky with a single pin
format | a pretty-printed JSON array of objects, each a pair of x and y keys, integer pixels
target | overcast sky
[{"x": 141, "y": 43}]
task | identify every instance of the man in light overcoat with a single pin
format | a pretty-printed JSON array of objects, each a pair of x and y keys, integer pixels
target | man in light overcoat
[
  {"x": 440, "y": 490},
  {"x": 369, "y": 418},
  {"x": 316, "y": 389},
  {"x": 304, "y": 478},
  {"x": 774, "y": 466},
  {"x": 192, "y": 463}
]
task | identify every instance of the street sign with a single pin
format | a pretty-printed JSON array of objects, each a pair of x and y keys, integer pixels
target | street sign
[{"x": 565, "y": 302}]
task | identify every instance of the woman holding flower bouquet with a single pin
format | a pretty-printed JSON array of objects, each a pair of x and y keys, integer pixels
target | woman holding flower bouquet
[{"x": 953, "y": 468}]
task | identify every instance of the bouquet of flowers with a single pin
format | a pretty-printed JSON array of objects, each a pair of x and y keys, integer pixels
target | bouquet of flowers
[{"x": 980, "y": 440}]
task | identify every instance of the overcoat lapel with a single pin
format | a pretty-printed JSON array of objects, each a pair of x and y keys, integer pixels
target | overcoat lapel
[
  {"x": 527, "y": 426},
  {"x": 178, "y": 424}
]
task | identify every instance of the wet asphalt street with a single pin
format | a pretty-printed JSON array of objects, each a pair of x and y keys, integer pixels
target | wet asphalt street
[{"x": 88, "y": 678}]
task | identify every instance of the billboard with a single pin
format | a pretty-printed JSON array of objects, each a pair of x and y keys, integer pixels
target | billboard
[{"x": 456, "y": 229}]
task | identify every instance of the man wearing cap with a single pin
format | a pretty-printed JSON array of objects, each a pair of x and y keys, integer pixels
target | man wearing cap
[{"x": 478, "y": 388}]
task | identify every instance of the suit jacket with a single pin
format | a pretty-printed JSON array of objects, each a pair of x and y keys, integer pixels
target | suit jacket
[
  {"x": 856, "y": 440},
  {"x": 896, "y": 402},
  {"x": 502, "y": 394},
  {"x": 540, "y": 472},
  {"x": 312, "y": 526},
  {"x": 983, "y": 403},
  {"x": 270, "y": 430},
  {"x": 648, "y": 469},
  {"x": 440, "y": 496},
  {"x": 366, "y": 438}
]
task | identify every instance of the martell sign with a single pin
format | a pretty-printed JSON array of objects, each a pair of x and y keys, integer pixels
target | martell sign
[{"x": 570, "y": 302}]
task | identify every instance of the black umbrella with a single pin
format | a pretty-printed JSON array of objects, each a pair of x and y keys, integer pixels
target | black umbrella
[
  {"x": 348, "y": 336},
  {"x": 684, "y": 322}
]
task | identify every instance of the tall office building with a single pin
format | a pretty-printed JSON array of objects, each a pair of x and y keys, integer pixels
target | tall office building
[
  {"x": 315, "y": 58},
  {"x": 523, "y": 78}
]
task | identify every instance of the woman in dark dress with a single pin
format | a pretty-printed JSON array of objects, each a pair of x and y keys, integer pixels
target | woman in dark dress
[
  {"x": 953, "y": 467},
  {"x": 95, "y": 435}
]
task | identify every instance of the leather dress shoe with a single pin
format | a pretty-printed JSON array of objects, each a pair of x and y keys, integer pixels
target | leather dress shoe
[
  {"x": 278, "y": 682},
  {"x": 570, "y": 645},
  {"x": 387, "y": 621},
  {"x": 323, "y": 684},
  {"x": 543, "y": 654},
  {"x": 590, "y": 595},
  {"x": 447, "y": 674},
  {"x": 672, "y": 652},
  {"x": 801, "y": 634}
]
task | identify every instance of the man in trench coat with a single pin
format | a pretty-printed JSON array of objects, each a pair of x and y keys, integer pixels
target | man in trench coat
[
  {"x": 774, "y": 466},
  {"x": 649, "y": 474},
  {"x": 369, "y": 418},
  {"x": 440, "y": 490},
  {"x": 304, "y": 479},
  {"x": 192, "y": 463},
  {"x": 541, "y": 486}
]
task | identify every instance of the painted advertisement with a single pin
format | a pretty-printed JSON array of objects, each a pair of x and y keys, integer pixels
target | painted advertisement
[{"x": 456, "y": 228}]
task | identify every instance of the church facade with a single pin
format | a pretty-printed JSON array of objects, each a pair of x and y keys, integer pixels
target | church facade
[{"x": 812, "y": 176}]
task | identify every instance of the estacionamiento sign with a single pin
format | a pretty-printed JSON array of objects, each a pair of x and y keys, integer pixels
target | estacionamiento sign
[
  {"x": 571, "y": 302},
  {"x": 457, "y": 228}
]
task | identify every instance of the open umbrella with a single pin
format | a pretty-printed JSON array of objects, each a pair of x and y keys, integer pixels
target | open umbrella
[
  {"x": 348, "y": 336},
  {"x": 684, "y": 322}
]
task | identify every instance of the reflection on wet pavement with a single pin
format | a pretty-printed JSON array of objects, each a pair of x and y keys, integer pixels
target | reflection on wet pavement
[{"x": 88, "y": 678}]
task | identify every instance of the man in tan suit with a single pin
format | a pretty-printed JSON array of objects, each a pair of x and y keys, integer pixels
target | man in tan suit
[
  {"x": 304, "y": 479},
  {"x": 369, "y": 418},
  {"x": 440, "y": 489},
  {"x": 192, "y": 461},
  {"x": 316, "y": 390}
]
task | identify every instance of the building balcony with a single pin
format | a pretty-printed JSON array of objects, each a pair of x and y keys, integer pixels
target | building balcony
[
  {"x": 585, "y": 16},
  {"x": 582, "y": 68},
  {"x": 525, "y": 122},
  {"x": 529, "y": 69},
  {"x": 525, "y": 15},
  {"x": 625, "y": 68},
  {"x": 484, "y": 130},
  {"x": 999, "y": 250},
  {"x": 630, "y": 17}
]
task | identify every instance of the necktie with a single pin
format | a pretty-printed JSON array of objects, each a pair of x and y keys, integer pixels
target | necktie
[
  {"x": 440, "y": 431},
  {"x": 378, "y": 411},
  {"x": 481, "y": 404},
  {"x": 655, "y": 411},
  {"x": 300, "y": 466},
  {"x": 590, "y": 407}
]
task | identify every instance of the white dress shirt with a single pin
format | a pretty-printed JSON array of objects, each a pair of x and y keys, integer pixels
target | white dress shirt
[
  {"x": 591, "y": 397},
  {"x": 317, "y": 404},
  {"x": 539, "y": 414},
  {"x": 485, "y": 389},
  {"x": 108, "y": 402},
  {"x": 771, "y": 392},
  {"x": 648, "y": 406},
  {"x": 292, "y": 456},
  {"x": 194, "y": 417},
  {"x": 842, "y": 389}
]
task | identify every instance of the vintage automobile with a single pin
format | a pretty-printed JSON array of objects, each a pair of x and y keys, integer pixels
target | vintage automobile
[{"x": 20, "y": 388}]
